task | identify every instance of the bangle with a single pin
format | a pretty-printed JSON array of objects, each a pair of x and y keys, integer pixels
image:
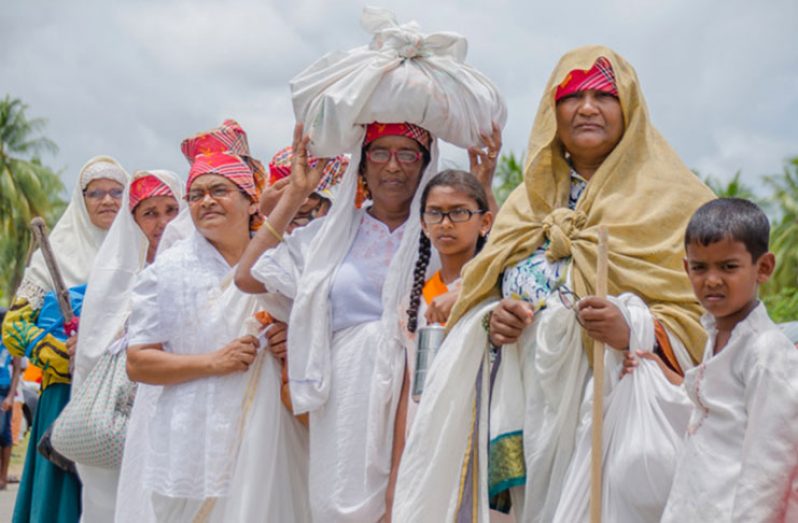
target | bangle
[{"x": 272, "y": 230}]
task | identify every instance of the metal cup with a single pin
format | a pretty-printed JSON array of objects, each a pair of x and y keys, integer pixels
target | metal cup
[{"x": 430, "y": 338}]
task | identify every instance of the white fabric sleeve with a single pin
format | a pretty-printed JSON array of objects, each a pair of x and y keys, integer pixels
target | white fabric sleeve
[
  {"x": 280, "y": 267},
  {"x": 770, "y": 449},
  {"x": 148, "y": 323}
]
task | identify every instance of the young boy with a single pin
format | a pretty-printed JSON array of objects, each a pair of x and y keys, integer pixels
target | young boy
[{"x": 740, "y": 459}]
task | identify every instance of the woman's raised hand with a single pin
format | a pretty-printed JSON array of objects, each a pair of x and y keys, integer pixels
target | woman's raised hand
[
  {"x": 508, "y": 320},
  {"x": 483, "y": 161},
  {"x": 271, "y": 195},
  {"x": 304, "y": 179}
]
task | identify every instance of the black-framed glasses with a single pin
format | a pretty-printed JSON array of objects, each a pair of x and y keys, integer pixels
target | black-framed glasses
[
  {"x": 405, "y": 156},
  {"x": 100, "y": 194},
  {"x": 569, "y": 299},
  {"x": 434, "y": 217}
]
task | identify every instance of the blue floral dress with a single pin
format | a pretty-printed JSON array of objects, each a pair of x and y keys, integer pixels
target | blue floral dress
[{"x": 533, "y": 279}]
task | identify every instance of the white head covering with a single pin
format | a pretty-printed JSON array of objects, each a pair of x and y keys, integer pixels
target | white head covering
[
  {"x": 106, "y": 305},
  {"x": 74, "y": 239},
  {"x": 402, "y": 76}
]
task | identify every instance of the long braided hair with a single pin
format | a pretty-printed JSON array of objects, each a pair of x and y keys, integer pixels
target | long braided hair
[{"x": 460, "y": 181}]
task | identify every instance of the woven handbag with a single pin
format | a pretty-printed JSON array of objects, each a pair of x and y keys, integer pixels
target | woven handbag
[{"x": 91, "y": 429}]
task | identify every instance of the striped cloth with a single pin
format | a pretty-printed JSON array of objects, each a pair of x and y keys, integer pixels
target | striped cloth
[
  {"x": 600, "y": 77},
  {"x": 147, "y": 186}
]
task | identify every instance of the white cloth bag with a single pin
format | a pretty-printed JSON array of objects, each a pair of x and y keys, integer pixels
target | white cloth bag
[{"x": 645, "y": 418}]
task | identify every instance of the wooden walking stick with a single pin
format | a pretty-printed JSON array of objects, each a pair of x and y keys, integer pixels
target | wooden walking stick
[
  {"x": 39, "y": 230},
  {"x": 598, "y": 387}
]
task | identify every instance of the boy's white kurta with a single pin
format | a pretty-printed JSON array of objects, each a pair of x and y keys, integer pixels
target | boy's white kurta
[
  {"x": 402, "y": 76},
  {"x": 106, "y": 308},
  {"x": 740, "y": 459}
]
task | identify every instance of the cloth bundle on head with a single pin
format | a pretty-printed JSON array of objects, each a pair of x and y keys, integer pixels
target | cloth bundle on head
[
  {"x": 403, "y": 76},
  {"x": 123, "y": 254},
  {"x": 280, "y": 167},
  {"x": 642, "y": 193},
  {"x": 74, "y": 239},
  {"x": 146, "y": 185}
]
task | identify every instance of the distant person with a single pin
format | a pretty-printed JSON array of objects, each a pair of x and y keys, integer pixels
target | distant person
[
  {"x": 740, "y": 459},
  {"x": 9, "y": 378}
]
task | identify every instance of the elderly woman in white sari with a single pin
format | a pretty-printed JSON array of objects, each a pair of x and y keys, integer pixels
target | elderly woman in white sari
[
  {"x": 522, "y": 331},
  {"x": 151, "y": 201},
  {"x": 34, "y": 327}
]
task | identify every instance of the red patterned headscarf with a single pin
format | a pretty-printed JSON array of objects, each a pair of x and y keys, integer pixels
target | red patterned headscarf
[
  {"x": 228, "y": 165},
  {"x": 280, "y": 167},
  {"x": 147, "y": 186},
  {"x": 378, "y": 130},
  {"x": 600, "y": 77},
  {"x": 227, "y": 138}
]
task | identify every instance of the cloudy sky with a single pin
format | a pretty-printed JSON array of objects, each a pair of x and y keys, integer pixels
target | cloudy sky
[{"x": 132, "y": 79}]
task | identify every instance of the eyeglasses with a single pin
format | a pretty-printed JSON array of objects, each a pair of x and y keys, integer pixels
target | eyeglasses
[
  {"x": 303, "y": 218},
  {"x": 434, "y": 217},
  {"x": 404, "y": 156},
  {"x": 569, "y": 299},
  {"x": 100, "y": 194},
  {"x": 216, "y": 192}
]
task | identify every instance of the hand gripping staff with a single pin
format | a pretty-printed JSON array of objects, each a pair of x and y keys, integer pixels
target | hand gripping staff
[{"x": 39, "y": 230}]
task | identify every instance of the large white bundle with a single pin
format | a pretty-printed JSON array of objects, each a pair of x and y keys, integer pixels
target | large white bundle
[{"x": 403, "y": 75}]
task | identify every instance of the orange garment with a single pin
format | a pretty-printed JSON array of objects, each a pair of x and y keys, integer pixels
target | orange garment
[
  {"x": 434, "y": 287},
  {"x": 32, "y": 374}
]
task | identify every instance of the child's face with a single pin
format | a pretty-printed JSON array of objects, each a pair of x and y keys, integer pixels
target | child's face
[
  {"x": 725, "y": 278},
  {"x": 451, "y": 238}
]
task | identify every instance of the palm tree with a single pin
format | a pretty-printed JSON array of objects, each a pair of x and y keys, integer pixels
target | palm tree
[
  {"x": 509, "y": 175},
  {"x": 734, "y": 188},
  {"x": 27, "y": 188}
]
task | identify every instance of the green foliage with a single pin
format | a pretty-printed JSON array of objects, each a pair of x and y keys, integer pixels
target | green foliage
[
  {"x": 784, "y": 230},
  {"x": 783, "y": 305},
  {"x": 509, "y": 175},
  {"x": 27, "y": 189},
  {"x": 734, "y": 188}
]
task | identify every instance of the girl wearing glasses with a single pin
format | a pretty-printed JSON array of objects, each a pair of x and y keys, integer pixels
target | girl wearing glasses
[{"x": 34, "y": 328}]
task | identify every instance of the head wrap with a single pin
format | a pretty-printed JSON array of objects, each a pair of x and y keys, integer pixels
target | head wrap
[
  {"x": 230, "y": 166},
  {"x": 645, "y": 259},
  {"x": 227, "y": 138},
  {"x": 102, "y": 167},
  {"x": 146, "y": 185},
  {"x": 280, "y": 167},
  {"x": 378, "y": 130},
  {"x": 600, "y": 77}
]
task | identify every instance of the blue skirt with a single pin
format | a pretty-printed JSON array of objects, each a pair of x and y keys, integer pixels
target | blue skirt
[{"x": 47, "y": 493}]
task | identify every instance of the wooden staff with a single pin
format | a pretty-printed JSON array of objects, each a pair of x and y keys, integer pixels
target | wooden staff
[
  {"x": 598, "y": 387},
  {"x": 39, "y": 230}
]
